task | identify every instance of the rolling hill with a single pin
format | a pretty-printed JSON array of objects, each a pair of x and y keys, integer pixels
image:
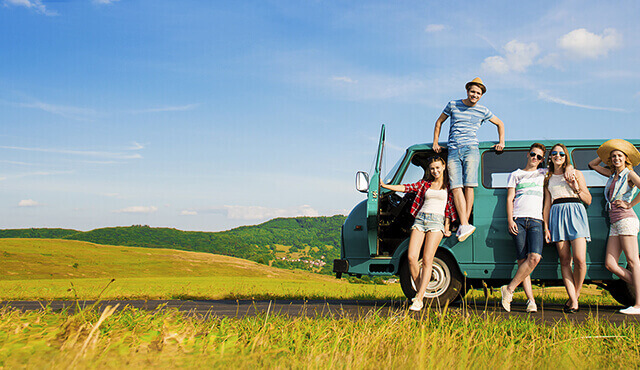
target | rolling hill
[{"x": 311, "y": 242}]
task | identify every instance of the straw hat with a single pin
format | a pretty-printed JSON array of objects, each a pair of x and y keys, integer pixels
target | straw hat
[
  {"x": 604, "y": 151},
  {"x": 476, "y": 81}
]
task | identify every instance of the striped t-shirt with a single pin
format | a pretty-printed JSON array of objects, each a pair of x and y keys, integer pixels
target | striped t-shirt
[{"x": 464, "y": 123}]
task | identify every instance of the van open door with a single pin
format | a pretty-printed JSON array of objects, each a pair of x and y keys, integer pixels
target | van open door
[{"x": 373, "y": 195}]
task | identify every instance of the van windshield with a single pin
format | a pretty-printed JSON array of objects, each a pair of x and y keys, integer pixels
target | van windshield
[{"x": 392, "y": 172}]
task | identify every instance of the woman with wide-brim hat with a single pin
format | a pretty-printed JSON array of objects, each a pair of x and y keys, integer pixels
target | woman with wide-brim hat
[{"x": 621, "y": 195}]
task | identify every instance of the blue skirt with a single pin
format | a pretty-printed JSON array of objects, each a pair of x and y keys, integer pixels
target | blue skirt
[{"x": 568, "y": 221}]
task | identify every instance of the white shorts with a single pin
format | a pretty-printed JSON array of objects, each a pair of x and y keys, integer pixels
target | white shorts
[{"x": 626, "y": 226}]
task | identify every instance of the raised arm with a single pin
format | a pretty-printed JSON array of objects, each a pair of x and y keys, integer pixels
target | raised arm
[
  {"x": 500, "y": 125},
  {"x": 595, "y": 165},
  {"x": 399, "y": 188},
  {"x": 436, "y": 132}
]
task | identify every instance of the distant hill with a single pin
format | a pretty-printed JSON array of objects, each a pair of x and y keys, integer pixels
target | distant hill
[{"x": 309, "y": 242}]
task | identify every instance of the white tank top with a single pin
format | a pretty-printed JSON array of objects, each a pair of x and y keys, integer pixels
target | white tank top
[
  {"x": 559, "y": 188},
  {"x": 435, "y": 201}
]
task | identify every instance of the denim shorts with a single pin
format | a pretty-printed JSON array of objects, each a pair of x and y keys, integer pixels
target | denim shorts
[
  {"x": 428, "y": 222},
  {"x": 529, "y": 238},
  {"x": 462, "y": 164}
]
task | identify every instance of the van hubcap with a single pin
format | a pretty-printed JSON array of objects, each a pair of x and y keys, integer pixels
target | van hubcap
[{"x": 440, "y": 279}]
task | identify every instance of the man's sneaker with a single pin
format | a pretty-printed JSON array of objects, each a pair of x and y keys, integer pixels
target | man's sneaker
[
  {"x": 416, "y": 305},
  {"x": 630, "y": 311},
  {"x": 507, "y": 297},
  {"x": 531, "y": 306},
  {"x": 465, "y": 231}
]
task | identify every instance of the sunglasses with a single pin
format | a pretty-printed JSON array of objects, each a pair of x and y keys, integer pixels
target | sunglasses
[
  {"x": 555, "y": 153},
  {"x": 534, "y": 155}
]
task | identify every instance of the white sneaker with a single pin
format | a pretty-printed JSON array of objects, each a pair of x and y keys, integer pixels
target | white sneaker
[
  {"x": 531, "y": 306},
  {"x": 416, "y": 305},
  {"x": 630, "y": 311},
  {"x": 465, "y": 231},
  {"x": 507, "y": 297}
]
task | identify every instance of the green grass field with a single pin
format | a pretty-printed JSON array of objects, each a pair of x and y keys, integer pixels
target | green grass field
[
  {"x": 167, "y": 338},
  {"x": 60, "y": 269}
]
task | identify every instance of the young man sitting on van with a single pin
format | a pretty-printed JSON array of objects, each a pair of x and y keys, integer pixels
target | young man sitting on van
[{"x": 463, "y": 156}]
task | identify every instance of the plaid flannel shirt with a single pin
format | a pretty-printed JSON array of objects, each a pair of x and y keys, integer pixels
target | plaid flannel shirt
[{"x": 420, "y": 188}]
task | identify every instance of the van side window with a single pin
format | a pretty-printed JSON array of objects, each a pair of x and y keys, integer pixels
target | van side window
[
  {"x": 581, "y": 159},
  {"x": 497, "y": 166}
]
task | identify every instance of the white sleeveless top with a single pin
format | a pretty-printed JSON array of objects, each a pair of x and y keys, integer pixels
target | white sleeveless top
[
  {"x": 559, "y": 188},
  {"x": 435, "y": 201}
]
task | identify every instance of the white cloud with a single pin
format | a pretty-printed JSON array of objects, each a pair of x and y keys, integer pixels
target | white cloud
[
  {"x": 188, "y": 213},
  {"x": 343, "y": 79},
  {"x": 262, "y": 213},
  {"x": 111, "y": 195},
  {"x": 581, "y": 43},
  {"x": 546, "y": 97},
  {"x": 434, "y": 28},
  {"x": 517, "y": 57},
  {"x": 105, "y": 2},
  {"x": 28, "y": 203},
  {"x": 89, "y": 153},
  {"x": 175, "y": 108},
  {"x": 138, "y": 209},
  {"x": 80, "y": 114},
  {"x": 31, "y": 4}
]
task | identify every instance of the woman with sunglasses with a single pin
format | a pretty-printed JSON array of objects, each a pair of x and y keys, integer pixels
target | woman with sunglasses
[
  {"x": 433, "y": 208},
  {"x": 621, "y": 196},
  {"x": 566, "y": 223}
]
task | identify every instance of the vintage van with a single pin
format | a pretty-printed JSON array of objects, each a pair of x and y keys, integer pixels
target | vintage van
[{"x": 375, "y": 235}]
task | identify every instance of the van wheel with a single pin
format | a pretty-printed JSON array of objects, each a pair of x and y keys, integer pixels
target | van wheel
[
  {"x": 621, "y": 292},
  {"x": 446, "y": 280}
]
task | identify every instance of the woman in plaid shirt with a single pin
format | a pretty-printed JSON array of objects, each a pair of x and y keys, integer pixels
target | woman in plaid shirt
[{"x": 433, "y": 209}]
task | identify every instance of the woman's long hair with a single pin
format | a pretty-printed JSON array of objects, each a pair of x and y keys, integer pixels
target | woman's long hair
[
  {"x": 551, "y": 166},
  {"x": 445, "y": 173}
]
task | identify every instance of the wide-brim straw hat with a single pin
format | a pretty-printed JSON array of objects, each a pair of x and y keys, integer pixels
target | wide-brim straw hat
[
  {"x": 476, "y": 81},
  {"x": 604, "y": 151}
]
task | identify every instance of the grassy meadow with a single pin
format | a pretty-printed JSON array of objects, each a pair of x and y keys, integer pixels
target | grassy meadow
[
  {"x": 56, "y": 269},
  {"x": 50, "y": 269},
  {"x": 168, "y": 338}
]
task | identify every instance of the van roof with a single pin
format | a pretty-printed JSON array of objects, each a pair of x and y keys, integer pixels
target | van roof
[{"x": 525, "y": 144}]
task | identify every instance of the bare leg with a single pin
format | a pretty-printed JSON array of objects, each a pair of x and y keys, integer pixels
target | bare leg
[
  {"x": 431, "y": 243},
  {"x": 469, "y": 197},
  {"x": 461, "y": 206},
  {"x": 564, "y": 252},
  {"x": 525, "y": 268},
  {"x": 614, "y": 249},
  {"x": 630, "y": 247},
  {"x": 413, "y": 254},
  {"x": 579, "y": 247}
]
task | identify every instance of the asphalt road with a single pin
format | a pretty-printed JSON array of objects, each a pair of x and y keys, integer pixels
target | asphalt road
[{"x": 334, "y": 308}]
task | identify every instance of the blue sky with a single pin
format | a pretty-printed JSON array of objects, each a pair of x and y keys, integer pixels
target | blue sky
[{"x": 207, "y": 115}]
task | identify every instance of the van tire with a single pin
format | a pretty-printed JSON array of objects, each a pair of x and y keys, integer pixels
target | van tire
[
  {"x": 448, "y": 282},
  {"x": 621, "y": 292}
]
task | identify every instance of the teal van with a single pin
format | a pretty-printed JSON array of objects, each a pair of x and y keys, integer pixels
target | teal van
[{"x": 375, "y": 235}]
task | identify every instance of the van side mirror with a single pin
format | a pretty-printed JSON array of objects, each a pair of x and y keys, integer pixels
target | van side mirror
[{"x": 362, "y": 181}]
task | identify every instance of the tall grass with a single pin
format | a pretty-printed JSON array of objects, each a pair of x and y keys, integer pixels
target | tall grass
[{"x": 431, "y": 339}]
